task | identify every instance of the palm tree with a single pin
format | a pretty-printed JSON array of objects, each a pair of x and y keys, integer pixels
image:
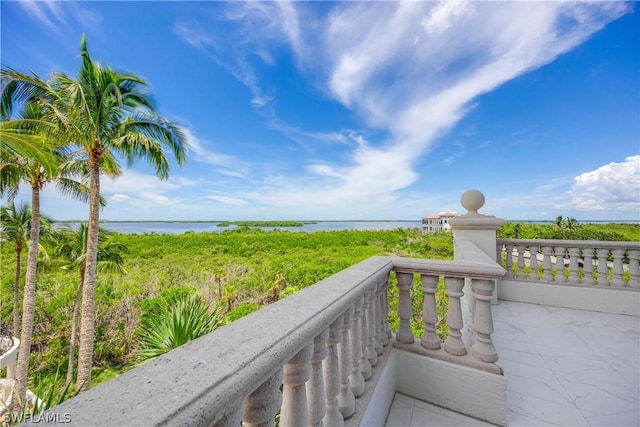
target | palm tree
[
  {"x": 36, "y": 120},
  {"x": 102, "y": 113},
  {"x": 15, "y": 226},
  {"x": 15, "y": 229},
  {"x": 73, "y": 248},
  {"x": 14, "y": 170},
  {"x": 110, "y": 113},
  {"x": 559, "y": 221}
]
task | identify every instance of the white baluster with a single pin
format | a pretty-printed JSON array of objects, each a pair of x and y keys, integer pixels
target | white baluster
[
  {"x": 603, "y": 268},
  {"x": 573, "y": 265},
  {"x": 264, "y": 403},
  {"x": 231, "y": 418},
  {"x": 509, "y": 267},
  {"x": 483, "y": 348},
  {"x": 587, "y": 255},
  {"x": 370, "y": 316},
  {"x": 385, "y": 298},
  {"x": 499, "y": 249},
  {"x": 618, "y": 271},
  {"x": 430, "y": 338},
  {"x": 634, "y": 267},
  {"x": 332, "y": 417},
  {"x": 404, "y": 334},
  {"x": 380, "y": 333},
  {"x": 383, "y": 316},
  {"x": 365, "y": 365},
  {"x": 560, "y": 264},
  {"x": 315, "y": 386},
  {"x": 295, "y": 374},
  {"x": 546, "y": 263},
  {"x": 521, "y": 271},
  {"x": 453, "y": 344},
  {"x": 346, "y": 399},
  {"x": 356, "y": 379},
  {"x": 533, "y": 262}
]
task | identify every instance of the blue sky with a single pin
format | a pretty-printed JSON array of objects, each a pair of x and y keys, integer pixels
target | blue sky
[{"x": 363, "y": 110}]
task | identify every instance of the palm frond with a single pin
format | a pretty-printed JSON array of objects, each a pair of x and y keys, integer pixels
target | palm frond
[
  {"x": 20, "y": 142},
  {"x": 179, "y": 322},
  {"x": 19, "y": 88}
]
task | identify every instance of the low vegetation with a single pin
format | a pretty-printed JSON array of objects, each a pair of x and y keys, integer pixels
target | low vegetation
[{"x": 264, "y": 223}]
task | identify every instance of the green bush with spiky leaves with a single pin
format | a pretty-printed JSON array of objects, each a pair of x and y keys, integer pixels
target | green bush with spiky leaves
[{"x": 186, "y": 319}]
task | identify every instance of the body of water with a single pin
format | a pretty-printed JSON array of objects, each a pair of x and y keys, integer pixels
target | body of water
[
  {"x": 169, "y": 227},
  {"x": 178, "y": 227}
]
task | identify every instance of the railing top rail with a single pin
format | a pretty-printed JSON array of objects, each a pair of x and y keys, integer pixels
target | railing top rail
[
  {"x": 448, "y": 268},
  {"x": 572, "y": 243}
]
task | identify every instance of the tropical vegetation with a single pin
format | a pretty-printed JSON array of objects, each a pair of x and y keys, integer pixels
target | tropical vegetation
[{"x": 70, "y": 131}]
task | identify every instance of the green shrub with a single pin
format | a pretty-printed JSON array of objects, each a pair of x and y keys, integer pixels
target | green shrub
[
  {"x": 177, "y": 323},
  {"x": 241, "y": 311}
]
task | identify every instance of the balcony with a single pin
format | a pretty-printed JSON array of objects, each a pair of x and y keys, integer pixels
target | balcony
[{"x": 522, "y": 349}]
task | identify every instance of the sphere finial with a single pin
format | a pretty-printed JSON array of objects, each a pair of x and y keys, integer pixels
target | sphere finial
[{"x": 472, "y": 201}]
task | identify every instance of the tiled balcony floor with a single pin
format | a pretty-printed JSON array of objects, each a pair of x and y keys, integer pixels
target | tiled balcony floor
[{"x": 564, "y": 367}]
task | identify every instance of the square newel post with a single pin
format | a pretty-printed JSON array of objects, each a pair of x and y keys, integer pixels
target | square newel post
[
  {"x": 481, "y": 231},
  {"x": 477, "y": 228}
]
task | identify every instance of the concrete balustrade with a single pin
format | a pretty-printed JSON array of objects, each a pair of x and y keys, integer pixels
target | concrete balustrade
[
  {"x": 482, "y": 273},
  {"x": 571, "y": 261},
  {"x": 8, "y": 359},
  {"x": 317, "y": 344},
  {"x": 582, "y": 274}
]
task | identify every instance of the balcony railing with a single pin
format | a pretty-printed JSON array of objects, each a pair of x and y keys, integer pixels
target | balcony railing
[
  {"x": 321, "y": 355},
  {"x": 574, "y": 262},
  {"x": 308, "y": 357}
]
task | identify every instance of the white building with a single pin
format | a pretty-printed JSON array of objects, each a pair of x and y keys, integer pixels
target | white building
[{"x": 438, "y": 222}]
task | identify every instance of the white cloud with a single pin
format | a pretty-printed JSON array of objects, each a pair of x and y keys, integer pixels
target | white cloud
[
  {"x": 261, "y": 26},
  {"x": 440, "y": 17},
  {"x": 119, "y": 197},
  {"x": 615, "y": 187},
  {"x": 260, "y": 102},
  {"x": 227, "y": 200},
  {"x": 410, "y": 70},
  {"x": 55, "y": 14},
  {"x": 131, "y": 182},
  {"x": 49, "y": 13},
  {"x": 201, "y": 154}
]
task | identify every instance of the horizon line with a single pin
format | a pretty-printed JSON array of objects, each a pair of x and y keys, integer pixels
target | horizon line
[{"x": 325, "y": 220}]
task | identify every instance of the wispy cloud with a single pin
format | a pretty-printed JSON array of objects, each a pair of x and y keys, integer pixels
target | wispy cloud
[
  {"x": 260, "y": 26},
  {"x": 49, "y": 13},
  {"x": 227, "y": 200},
  {"x": 56, "y": 15},
  {"x": 409, "y": 70}
]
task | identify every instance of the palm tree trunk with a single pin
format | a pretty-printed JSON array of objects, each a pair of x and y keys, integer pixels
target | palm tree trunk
[
  {"x": 16, "y": 296},
  {"x": 74, "y": 330},
  {"x": 87, "y": 326},
  {"x": 28, "y": 303}
]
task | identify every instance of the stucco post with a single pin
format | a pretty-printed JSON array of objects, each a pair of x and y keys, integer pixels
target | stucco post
[{"x": 481, "y": 230}]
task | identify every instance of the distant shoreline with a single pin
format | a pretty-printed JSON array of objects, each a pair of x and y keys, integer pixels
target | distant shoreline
[{"x": 529, "y": 221}]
